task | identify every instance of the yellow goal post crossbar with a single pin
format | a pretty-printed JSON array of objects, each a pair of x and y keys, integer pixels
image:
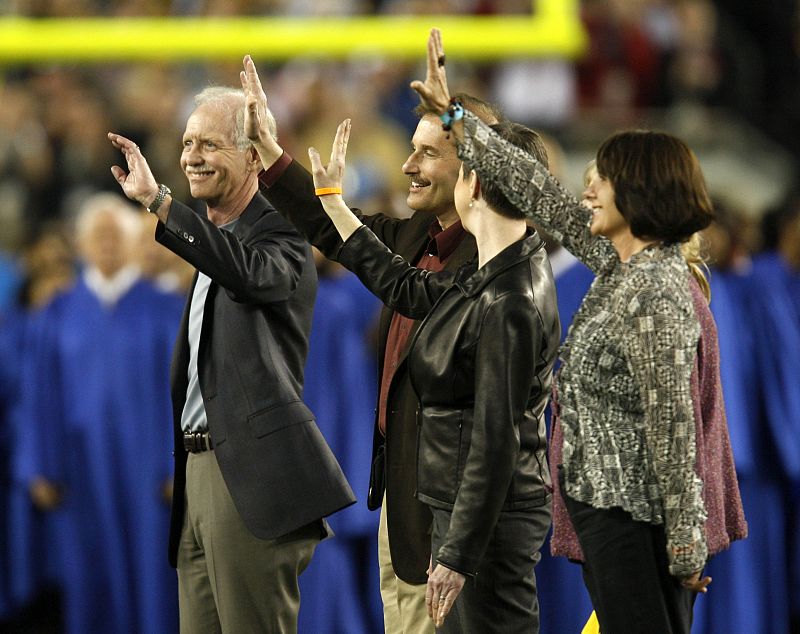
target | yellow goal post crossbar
[{"x": 553, "y": 29}]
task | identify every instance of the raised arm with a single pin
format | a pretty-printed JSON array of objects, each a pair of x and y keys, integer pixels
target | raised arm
[
  {"x": 328, "y": 183},
  {"x": 256, "y": 117},
  {"x": 523, "y": 179},
  {"x": 289, "y": 186},
  {"x": 404, "y": 288},
  {"x": 264, "y": 269}
]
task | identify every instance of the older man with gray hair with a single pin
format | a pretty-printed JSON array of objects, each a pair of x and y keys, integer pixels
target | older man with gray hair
[{"x": 253, "y": 476}]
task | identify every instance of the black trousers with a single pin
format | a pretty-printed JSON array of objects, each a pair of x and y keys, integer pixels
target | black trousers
[
  {"x": 626, "y": 572},
  {"x": 502, "y": 596}
]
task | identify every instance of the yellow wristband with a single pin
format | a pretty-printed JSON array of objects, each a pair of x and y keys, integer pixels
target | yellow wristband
[{"x": 324, "y": 191}]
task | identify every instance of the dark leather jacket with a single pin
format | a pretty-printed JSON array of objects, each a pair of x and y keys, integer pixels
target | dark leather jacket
[
  {"x": 290, "y": 187},
  {"x": 481, "y": 365}
]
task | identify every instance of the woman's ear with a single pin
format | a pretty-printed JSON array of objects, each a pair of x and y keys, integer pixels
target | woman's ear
[{"x": 475, "y": 185}]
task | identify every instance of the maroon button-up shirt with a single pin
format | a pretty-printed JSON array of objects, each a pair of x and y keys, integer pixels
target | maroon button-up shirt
[{"x": 441, "y": 246}]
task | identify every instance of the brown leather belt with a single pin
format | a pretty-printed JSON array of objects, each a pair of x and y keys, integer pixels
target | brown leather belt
[{"x": 197, "y": 441}]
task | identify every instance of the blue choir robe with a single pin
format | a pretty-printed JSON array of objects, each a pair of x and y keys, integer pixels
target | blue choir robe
[
  {"x": 96, "y": 420},
  {"x": 780, "y": 365},
  {"x": 564, "y": 604},
  {"x": 8, "y": 391},
  {"x": 573, "y": 279},
  {"x": 750, "y": 591},
  {"x": 739, "y": 374},
  {"x": 10, "y": 281},
  {"x": 340, "y": 589},
  {"x": 28, "y": 560},
  {"x": 778, "y": 334},
  {"x": 772, "y": 267}
]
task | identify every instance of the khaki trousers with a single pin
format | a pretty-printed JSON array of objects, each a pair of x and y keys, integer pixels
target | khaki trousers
[
  {"x": 404, "y": 610},
  {"x": 229, "y": 581}
]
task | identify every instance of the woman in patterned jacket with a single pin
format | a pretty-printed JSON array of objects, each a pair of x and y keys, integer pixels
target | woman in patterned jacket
[{"x": 628, "y": 471}]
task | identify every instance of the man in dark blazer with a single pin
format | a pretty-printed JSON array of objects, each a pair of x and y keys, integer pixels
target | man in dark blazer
[
  {"x": 432, "y": 238},
  {"x": 253, "y": 476}
]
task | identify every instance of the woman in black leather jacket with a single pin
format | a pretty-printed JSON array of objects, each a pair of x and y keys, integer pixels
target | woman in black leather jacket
[{"x": 481, "y": 366}]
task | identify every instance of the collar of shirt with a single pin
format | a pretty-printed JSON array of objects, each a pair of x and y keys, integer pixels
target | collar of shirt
[
  {"x": 444, "y": 241},
  {"x": 109, "y": 289},
  {"x": 228, "y": 226}
]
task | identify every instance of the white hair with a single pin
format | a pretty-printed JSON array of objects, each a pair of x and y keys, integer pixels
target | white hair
[
  {"x": 107, "y": 202},
  {"x": 232, "y": 101}
]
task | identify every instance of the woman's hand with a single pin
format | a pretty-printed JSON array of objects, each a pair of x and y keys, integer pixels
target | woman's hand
[
  {"x": 328, "y": 183},
  {"x": 433, "y": 93},
  {"x": 444, "y": 586},
  {"x": 332, "y": 174},
  {"x": 696, "y": 583}
]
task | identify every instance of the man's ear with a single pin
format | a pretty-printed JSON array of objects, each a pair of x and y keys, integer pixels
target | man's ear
[{"x": 253, "y": 160}]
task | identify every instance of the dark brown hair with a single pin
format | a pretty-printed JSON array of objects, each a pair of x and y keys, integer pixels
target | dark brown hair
[
  {"x": 527, "y": 140},
  {"x": 658, "y": 185},
  {"x": 485, "y": 111}
]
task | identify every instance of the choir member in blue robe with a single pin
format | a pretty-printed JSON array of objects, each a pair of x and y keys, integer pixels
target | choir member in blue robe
[
  {"x": 780, "y": 261},
  {"x": 8, "y": 386},
  {"x": 96, "y": 435},
  {"x": 28, "y": 590},
  {"x": 25, "y": 572},
  {"x": 776, "y": 278},
  {"x": 339, "y": 589},
  {"x": 778, "y": 333},
  {"x": 753, "y": 574}
]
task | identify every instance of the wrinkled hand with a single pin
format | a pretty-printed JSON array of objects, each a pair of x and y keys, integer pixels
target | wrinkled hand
[
  {"x": 255, "y": 111},
  {"x": 433, "y": 93},
  {"x": 138, "y": 183},
  {"x": 331, "y": 175},
  {"x": 695, "y": 583},
  {"x": 444, "y": 586}
]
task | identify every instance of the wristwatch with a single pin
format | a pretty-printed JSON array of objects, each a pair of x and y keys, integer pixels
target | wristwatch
[{"x": 163, "y": 190}]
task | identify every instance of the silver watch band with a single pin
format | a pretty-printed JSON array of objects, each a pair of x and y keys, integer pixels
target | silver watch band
[{"x": 163, "y": 190}]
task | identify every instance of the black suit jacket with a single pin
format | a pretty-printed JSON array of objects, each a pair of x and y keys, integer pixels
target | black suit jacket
[
  {"x": 408, "y": 520},
  {"x": 280, "y": 472}
]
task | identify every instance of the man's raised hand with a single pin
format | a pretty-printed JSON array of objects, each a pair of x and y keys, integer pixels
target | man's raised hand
[{"x": 138, "y": 183}]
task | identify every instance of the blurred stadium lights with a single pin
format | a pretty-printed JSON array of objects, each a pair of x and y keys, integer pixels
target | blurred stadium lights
[{"x": 553, "y": 29}]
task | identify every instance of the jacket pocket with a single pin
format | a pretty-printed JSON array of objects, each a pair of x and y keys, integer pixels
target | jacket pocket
[
  {"x": 267, "y": 421},
  {"x": 441, "y": 453}
]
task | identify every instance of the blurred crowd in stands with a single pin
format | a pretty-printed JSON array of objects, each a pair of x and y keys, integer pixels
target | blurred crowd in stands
[{"x": 725, "y": 76}]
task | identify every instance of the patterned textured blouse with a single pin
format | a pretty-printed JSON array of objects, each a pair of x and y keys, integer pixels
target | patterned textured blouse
[{"x": 624, "y": 386}]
